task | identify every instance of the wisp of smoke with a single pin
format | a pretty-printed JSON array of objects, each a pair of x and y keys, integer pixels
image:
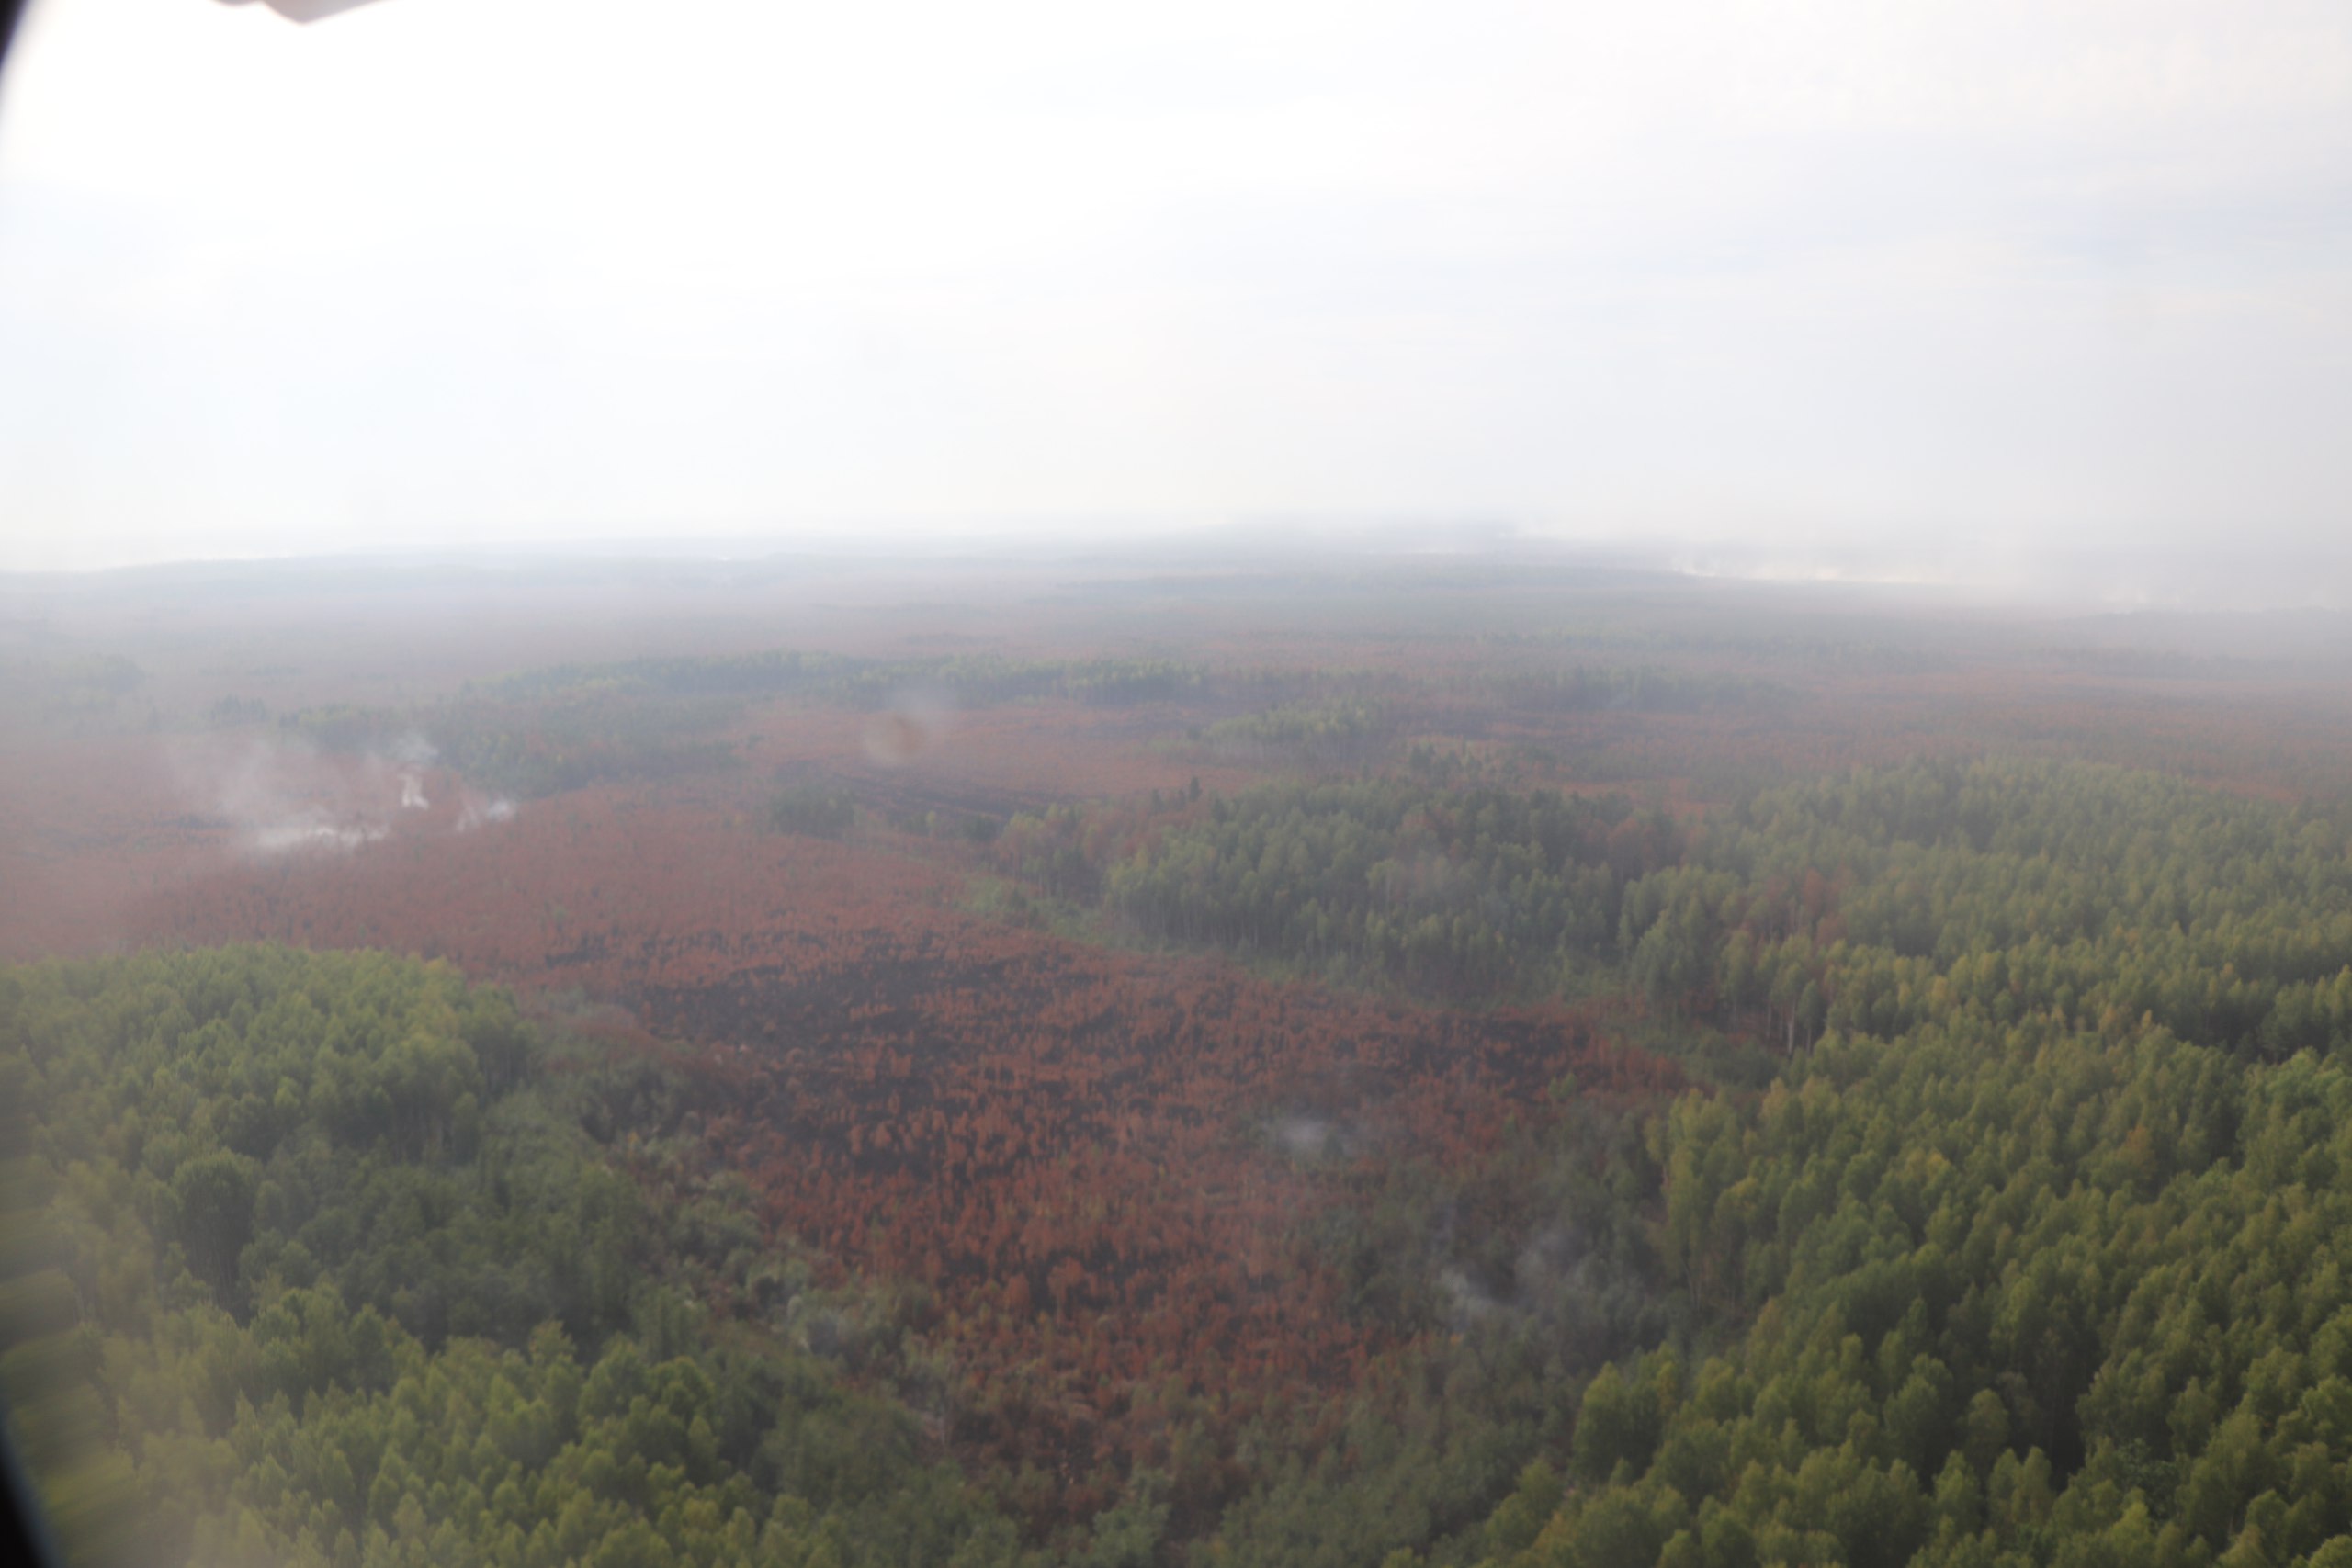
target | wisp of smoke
[
  {"x": 284, "y": 838},
  {"x": 282, "y": 796},
  {"x": 1305, "y": 1137},
  {"x": 480, "y": 811}
]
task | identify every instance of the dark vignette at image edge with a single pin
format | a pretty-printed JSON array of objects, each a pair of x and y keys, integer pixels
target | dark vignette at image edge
[{"x": 23, "y": 1535}]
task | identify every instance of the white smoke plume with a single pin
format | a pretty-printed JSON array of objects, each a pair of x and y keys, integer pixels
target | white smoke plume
[
  {"x": 282, "y": 796},
  {"x": 480, "y": 811},
  {"x": 285, "y": 838},
  {"x": 413, "y": 753}
]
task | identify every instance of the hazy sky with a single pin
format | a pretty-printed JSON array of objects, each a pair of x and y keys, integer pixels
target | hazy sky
[{"x": 1790, "y": 272}]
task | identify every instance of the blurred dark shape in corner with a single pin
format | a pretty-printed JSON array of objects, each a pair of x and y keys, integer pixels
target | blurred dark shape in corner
[
  {"x": 303, "y": 10},
  {"x": 49, "y": 1416},
  {"x": 48, "y": 1419},
  {"x": 63, "y": 1498},
  {"x": 9, "y": 11}
]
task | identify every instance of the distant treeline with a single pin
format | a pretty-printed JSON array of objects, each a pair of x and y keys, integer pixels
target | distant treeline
[
  {"x": 1643, "y": 688},
  {"x": 1340, "y": 731},
  {"x": 1873, "y": 901},
  {"x": 1478, "y": 892},
  {"x": 532, "y": 749},
  {"x": 812, "y": 811},
  {"x": 970, "y": 680},
  {"x": 543, "y": 731},
  {"x": 1872, "y": 648},
  {"x": 91, "y": 686}
]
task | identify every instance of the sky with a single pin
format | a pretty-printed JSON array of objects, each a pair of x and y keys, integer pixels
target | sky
[{"x": 1936, "y": 288}]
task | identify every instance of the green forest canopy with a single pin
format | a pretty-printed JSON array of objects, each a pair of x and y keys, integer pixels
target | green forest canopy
[
  {"x": 2032, "y": 1250},
  {"x": 2037, "y": 1255},
  {"x": 340, "y": 1275}
]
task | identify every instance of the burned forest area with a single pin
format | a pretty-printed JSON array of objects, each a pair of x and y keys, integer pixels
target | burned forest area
[{"x": 1444, "y": 1061}]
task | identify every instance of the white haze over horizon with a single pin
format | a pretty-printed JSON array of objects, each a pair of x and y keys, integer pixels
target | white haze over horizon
[{"x": 1928, "y": 292}]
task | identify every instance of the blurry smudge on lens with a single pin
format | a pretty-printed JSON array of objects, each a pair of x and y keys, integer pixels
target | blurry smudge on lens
[{"x": 912, "y": 726}]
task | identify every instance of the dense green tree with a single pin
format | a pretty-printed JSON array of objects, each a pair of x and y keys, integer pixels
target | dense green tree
[{"x": 330, "y": 1271}]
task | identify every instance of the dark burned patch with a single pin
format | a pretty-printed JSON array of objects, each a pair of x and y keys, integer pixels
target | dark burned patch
[
  {"x": 893, "y": 798},
  {"x": 1078, "y": 1156},
  {"x": 885, "y": 1043}
]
